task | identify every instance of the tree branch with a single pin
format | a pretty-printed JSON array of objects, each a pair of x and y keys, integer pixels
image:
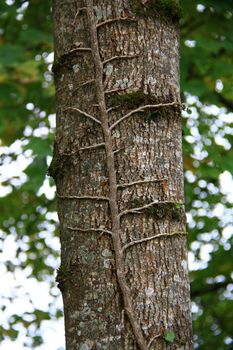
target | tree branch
[
  {"x": 118, "y": 58},
  {"x": 142, "y": 109},
  {"x": 139, "y": 182},
  {"x": 166, "y": 234},
  {"x": 112, "y": 20},
  {"x": 83, "y": 113},
  {"x": 99, "y": 229}
]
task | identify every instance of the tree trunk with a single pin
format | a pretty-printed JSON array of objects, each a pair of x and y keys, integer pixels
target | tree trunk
[{"x": 118, "y": 168}]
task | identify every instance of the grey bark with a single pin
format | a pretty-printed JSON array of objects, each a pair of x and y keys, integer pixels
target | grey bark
[{"x": 119, "y": 175}]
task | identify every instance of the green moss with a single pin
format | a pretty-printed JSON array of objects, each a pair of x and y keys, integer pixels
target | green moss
[
  {"x": 130, "y": 100},
  {"x": 137, "y": 202},
  {"x": 154, "y": 8},
  {"x": 135, "y": 99},
  {"x": 63, "y": 275},
  {"x": 55, "y": 163},
  {"x": 174, "y": 211},
  {"x": 56, "y": 65}
]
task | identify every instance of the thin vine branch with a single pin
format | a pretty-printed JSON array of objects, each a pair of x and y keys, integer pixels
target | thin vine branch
[
  {"x": 166, "y": 234},
  {"x": 70, "y": 154},
  {"x": 87, "y": 82},
  {"x": 112, "y": 109},
  {"x": 98, "y": 145},
  {"x": 139, "y": 210},
  {"x": 76, "y": 49},
  {"x": 83, "y": 113},
  {"x": 114, "y": 90},
  {"x": 98, "y": 198},
  {"x": 139, "y": 182},
  {"x": 119, "y": 58},
  {"x": 152, "y": 339},
  {"x": 81, "y": 229},
  {"x": 118, "y": 19},
  {"x": 142, "y": 109},
  {"x": 77, "y": 14}
]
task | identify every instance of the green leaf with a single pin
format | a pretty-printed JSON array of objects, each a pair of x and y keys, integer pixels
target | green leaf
[
  {"x": 35, "y": 37},
  {"x": 169, "y": 336},
  {"x": 40, "y": 147},
  {"x": 36, "y": 172},
  {"x": 11, "y": 55}
]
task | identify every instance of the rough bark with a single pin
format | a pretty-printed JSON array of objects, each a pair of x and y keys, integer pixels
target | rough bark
[{"x": 118, "y": 170}]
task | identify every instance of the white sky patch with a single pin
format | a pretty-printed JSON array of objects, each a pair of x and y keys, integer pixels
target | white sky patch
[
  {"x": 227, "y": 232},
  {"x": 195, "y": 265},
  {"x": 50, "y": 58},
  {"x": 47, "y": 190},
  {"x": 15, "y": 168},
  {"x": 52, "y": 120},
  {"x": 226, "y": 118},
  {"x": 219, "y": 86},
  {"x": 42, "y": 131},
  {"x": 30, "y": 106},
  {"x": 200, "y": 8},
  {"x": 211, "y": 110},
  {"x": 190, "y": 43},
  {"x": 226, "y": 185},
  {"x": 53, "y": 334}
]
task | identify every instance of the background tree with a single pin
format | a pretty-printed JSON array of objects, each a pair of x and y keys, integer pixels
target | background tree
[{"x": 27, "y": 214}]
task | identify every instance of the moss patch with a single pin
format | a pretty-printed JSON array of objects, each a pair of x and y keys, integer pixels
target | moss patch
[
  {"x": 62, "y": 276},
  {"x": 155, "y": 8},
  {"x": 135, "y": 99},
  {"x": 130, "y": 100},
  {"x": 55, "y": 163},
  {"x": 137, "y": 202},
  {"x": 60, "y": 164},
  {"x": 175, "y": 211}
]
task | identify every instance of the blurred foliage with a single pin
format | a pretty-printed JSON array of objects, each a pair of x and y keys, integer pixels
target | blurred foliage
[
  {"x": 26, "y": 111},
  {"x": 206, "y": 66}
]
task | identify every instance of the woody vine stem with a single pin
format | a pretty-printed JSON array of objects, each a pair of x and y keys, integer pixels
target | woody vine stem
[
  {"x": 118, "y": 247},
  {"x": 119, "y": 257}
]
